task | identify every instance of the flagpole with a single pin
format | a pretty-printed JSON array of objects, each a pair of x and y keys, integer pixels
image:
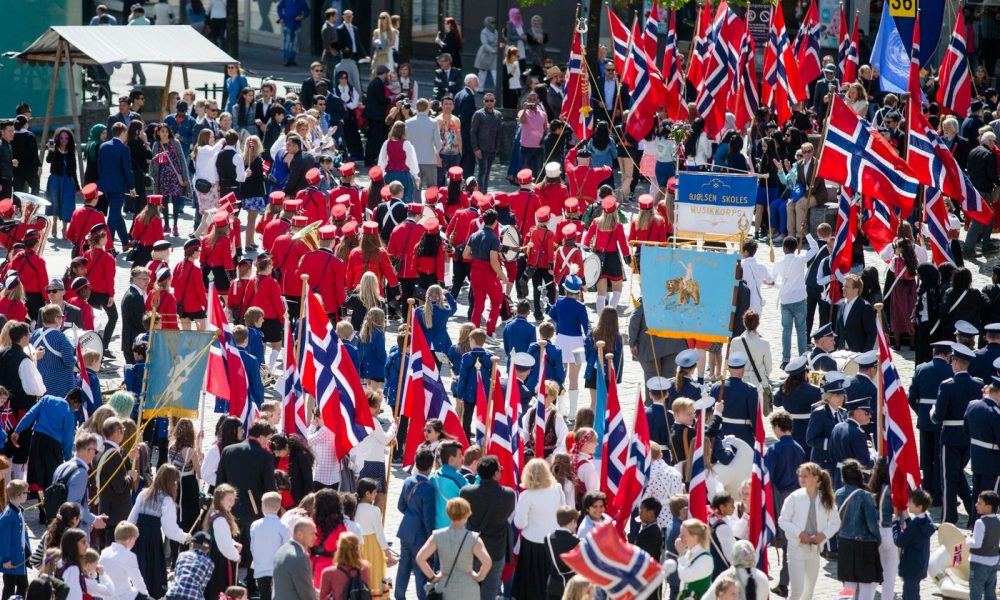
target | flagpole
[
  {"x": 489, "y": 400},
  {"x": 149, "y": 353},
  {"x": 818, "y": 154},
  {"x": 880, "y": 417},
  {"x": 298, "y": 340},
  {"x": 403, "y": 352}
]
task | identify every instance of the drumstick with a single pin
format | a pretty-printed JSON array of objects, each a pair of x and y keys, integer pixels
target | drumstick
[{"x": 253, "y": 503}]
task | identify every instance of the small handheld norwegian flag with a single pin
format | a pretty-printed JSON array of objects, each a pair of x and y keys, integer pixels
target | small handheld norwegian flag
[
  {"x": 161, "y": 158},
  {"x": 266, "y": 167}
]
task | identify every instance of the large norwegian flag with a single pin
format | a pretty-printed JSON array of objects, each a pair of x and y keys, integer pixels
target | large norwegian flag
[
  {"x": 932, "y": 162},
  {"x": 807, "y": 45},
  {"x": 936, "y": 217},
  {"x": 648, "y": 91},
  {"x": 698, "y": 485},
  {"x": 843, "y": 44},
  {"x": 783, "y": 86},
  {"x": 673, "y": 78},
  {"x": 576, "y": 107},
  {"x": 480, "y": 419},
  {"x": 699, "y": 48},
  {"x": 856, "y": 155},
  {"x": 847, "y": 227},
  {"x": 227, "y": 378},
  {"x": 880, "y": 223},
  {"x": 762, "y": 521},
  {"x": 629, "y": 72},
  {"x": 614, "y": 444},
  {"x": 425, "y": 396},
  {"x": 293, "y": 397},
  {"x": 636, "y": 473},
  {"x": 955, "y": 93},
  {"x": 745, "y": 99},
  {"x": 725, "y": 37},
  {"x": 620, "y": 38},
  {"x": 898, "y": 441},
  {"x": 504, "y": 438},
  {"x": 849, "y": 72},
  {"x": 651, "y": 31},
  {"x": 623, "y": 571},
  {"x": 327, "y": 372}
]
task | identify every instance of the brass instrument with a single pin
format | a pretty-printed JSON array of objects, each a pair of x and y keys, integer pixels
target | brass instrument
[
  {"x": 29, "y": 206},
  {"x": 816, "y": 377},
  {"x": 309, "y": 234},
  {"x": 267, "y": 377}
]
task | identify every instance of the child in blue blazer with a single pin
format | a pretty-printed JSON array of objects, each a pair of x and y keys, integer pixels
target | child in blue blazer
[
  {"x": 14, "y": 545},
  {"x": 371, "y": 348},
  {"x": 476, "y": 358},
  {"x": 519, "y": 334},
  {"x": 441, "y": 307},
  {"x": 913, "y": 538},
  {"x": 555, "y": 370}
]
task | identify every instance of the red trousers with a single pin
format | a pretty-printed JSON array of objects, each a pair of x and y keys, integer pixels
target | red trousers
[{"x": 483, "y": 278}]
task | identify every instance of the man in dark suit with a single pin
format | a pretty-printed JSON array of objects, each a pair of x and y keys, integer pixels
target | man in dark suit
[
  {"x": 308, "y": 90},
  {"x": 133, "y": 307},
  {"x": 113, "y": 478},
  {"x": 465, "y": 107},
  {"x": 492, "y": 504},
  {"x": 262, "y": 107},
  {"x": 606, "y": 94},
  {"x": 816, "y": 195},
  {"x": 855, "y": 324},
  {"x": 125, "y": 113},
  {"x": 823, "y": 90},
  {"x": 560, "y": 541},
  {"x": 114, "y": 163},
  {"x": 249, "y": 467},
  {"x": 416, "y": 502},
  {"x": 299, "y": 165},
  {"x": 349, "y": 43},
  {"x": 959, "y": 146},
  {"x": 72, "y": 316},
  {"x": 293, "y": 577},
  {"x": 554, "y": 96},
  {"x": 376, "y": 108},
  {"x": 447, "y": 81}
]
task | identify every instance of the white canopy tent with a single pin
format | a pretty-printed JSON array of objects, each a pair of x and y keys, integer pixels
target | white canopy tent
[{"x": 85, "y": 45}]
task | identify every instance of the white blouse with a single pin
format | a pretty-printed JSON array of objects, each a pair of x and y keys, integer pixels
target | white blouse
[
  {"x": 224, "y": 539},
  {"x": 210, "y": 465},
  {"x": 369, "y": 520},
  {"x": 372, "y": 448},
  {"x": 535, "y": 514},
  {"x": 692, "y": 566},
  {"x": 168, "y": 517},
  {"x": 411, "y": 157},
  {"x": 348, "y": 95},
  {"x": 587, "y": 473},
  {"x": 204, "y": 162}
]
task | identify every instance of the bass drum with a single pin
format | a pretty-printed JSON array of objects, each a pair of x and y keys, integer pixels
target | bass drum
[
  {"x": 733, "y": 475},
  {"x": 510, "y": 243},
  {"x": 88, "y": 340},
  {"x": 846, "y": 361},
  {"x": 591, "y": 270}
]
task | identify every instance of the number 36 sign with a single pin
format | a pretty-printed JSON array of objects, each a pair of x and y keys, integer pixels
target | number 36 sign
[{"x": 903, "y": 8}]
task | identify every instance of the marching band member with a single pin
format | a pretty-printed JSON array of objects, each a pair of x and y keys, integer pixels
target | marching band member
[
  {"x": 552, "y": 193},
  {"x": 797, "y": 396},
  {"x": 982, "y": 424},
  {"x": 524, "y": 202},
  {"x": 822, "y": 421},
  {"x": 372, "y": 195},
  {"x": 606, "y": 237},
  {"x": 286, "y": 256},
  {"x": 927, "y": 377},
  {"x": 583, "y": 179},
  {"x": 238, "y": 287},
  {"x": 554, "y": 369},
  {"x": 82, "y": 221},
  {"x": 646, "y": 227},
  {"x": 230, "y": 205},
  {"x": 391, "y": 212},
  {"x": 486, "y": 273},
  {"x": 314, "y": 202},
  {"x": 160, "y": 255},
  {"x": 32, "y": 271},
  {"x": 982, "y": 365},
  {"x": 401, "y": 240},
  {"x": 350, "y": 239},
  {"x": 189, "y": 287},
  {"x": 568, "y": 256},
  {"x": 81, "y": 296},
  {"x": 216, "y": 253},
  {"x": 571, "y": 214},
  {"x": 353, "y": 192},
  {"x": 740, "y": 410},
  {"x": 824, "y": 342},
  {"x": 371, "y": 257},
  {"x": 77, "y": 268},
  {"x": 340, "y": 216},
  {"x": 280, "y": 226},
  {"x": 327, "y": 274},
  {"x": 101, "y": 273},
  {"x": 848, "y": 439},
  {"x": 431, "y": 207},
  {"x": 572, "y": 326},
  {"x": 862, "y": 385},
  {"x": 518, "y": 333},
  {"x": 12, "y": 303},
  {"x": 540, "y": 249},
  {"x": 8, "y": 227},
  {"x": 428, "y": 257},
  {"x": 147, "y": 229},
  {"x": 953, "y": 398},
  {"x": 454, "y": 199},
  {"x": 275, "y": 202},
  {"x": 162, "y": 301},
  {"x": 460, "y": 228}
]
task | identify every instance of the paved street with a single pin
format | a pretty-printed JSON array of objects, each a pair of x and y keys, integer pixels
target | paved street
[{"x": 58, "y": 256}]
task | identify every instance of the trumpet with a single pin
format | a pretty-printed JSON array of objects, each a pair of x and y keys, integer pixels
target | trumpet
[
  {"x": 309, "y": 234},
  {"x": 816, "y": 377},
  {"x": 29, "y": 206}
]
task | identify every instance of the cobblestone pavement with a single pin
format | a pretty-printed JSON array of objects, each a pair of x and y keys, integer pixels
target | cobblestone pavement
[{"x": 58, "y": 256}]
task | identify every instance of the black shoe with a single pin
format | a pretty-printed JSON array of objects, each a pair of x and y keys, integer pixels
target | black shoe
[
  {"x": 829, "y": 554},
  {"x": 784, "y": 364},
  {"x": 780, "y": 590}
]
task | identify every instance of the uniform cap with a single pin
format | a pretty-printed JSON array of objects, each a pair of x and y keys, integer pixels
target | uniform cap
[
  {"x": 277, "y": 197},
  {"x": 609, "y": 204},
  {"x": 12, "y": 281},
  {"x": 796, "y": 365},
  {"x": 431, "y": 195},
  {"x": 687, "y": 358},
  {"x": 482, "y": 200},
  {"x": 90, "y": 191},
  {"x": 552, "y": 170},
  {"x": 646, "y": 201},
  {"x": 962, "y": 351},
  {"x": 833, "y": 387},
  {"x": 339, "y": 212},
  {"x": 569, "y": 230},
  {"x": 822, "y": 332},
  {"x": 385, "y": 193},
  {"x": 192, "y": 243},
  {"x": 350, "y": 229},
  {"x": 993, "y": 328},
  {"x": 414, "y": 208},
  {"x": 292, "y": 205},
  {"x": 312, "y": 175},
  {"x": 501, "y": 198},
  {"x": 221, "y": 218},
  {"x": 31, "y": 234},
  {"x": 155, "y": 199},
  {"x": 375, "y": 173},
  {"x": 965, "y": 328},
  {"x": 342, "y": 199},
  {"x": 327, "y": 232},
  {"x": 300, "y": 221},
  {"x": 866, "y": 359},
  {"x": 859, "y": 403},
  {"x": 657, "y": 384},
  {"x": 455, "y": 173},
  {"x": 471, "y": 181},
  {"x": 79, "y": 260},
  {"x": 672, "y": 185},
  {"x": 244, "y": 261},
  {"x": 542, "y": 214},
  {"x": 572, "y": 283},
  {"x": 162, "y": 274},
  {"x": 432, "y": 225},
  {"x": 571, "y": 204},
  {"x": 6, "y": 207},
  {"x": 737, "y": 360},
  {"x": 79, "y": 283},
  {"x": 370, "y": 228},
  {"x": 161, "y": 245},
  {"x": 523, "y": 360},
  {"x": 100, "y": 227},
  {"x": 525, "y": 176},
  {"x": 347, "y": 169},
  {"x": 943, "y": 347}
]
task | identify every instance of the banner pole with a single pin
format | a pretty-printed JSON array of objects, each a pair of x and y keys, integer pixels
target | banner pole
[
  {"x": 399, "y": 386},
  {"x": 149, "y": 356},
  {"x": 880, "y": 417}
]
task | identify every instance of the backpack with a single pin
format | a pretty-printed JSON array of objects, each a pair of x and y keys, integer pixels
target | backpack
[
  {"x": 57, "y": 493},
  {"x": 356, "y": 588}
]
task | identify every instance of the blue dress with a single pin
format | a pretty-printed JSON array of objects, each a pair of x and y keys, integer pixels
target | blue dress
[
  {"x": 373, "y": 356},
  {"x": 61, "y": 188}
]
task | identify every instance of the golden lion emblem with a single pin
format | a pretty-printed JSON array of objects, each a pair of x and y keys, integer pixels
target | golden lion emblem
[{"x": 686, "y": 290}]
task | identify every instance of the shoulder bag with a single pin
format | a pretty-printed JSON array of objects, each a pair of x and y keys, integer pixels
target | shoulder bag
[
  {"x": 432, "y": 589},
  {"x": 767, "y": 394}
]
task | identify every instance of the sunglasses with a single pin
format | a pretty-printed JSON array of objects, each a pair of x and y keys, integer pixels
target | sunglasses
[
  {"x": 489, "y": 101},
  {"x": 54, "y": 290}
]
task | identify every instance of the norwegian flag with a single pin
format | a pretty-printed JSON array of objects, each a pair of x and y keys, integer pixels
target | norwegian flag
[
  {"x": 955, "y": 93},
  {"x": 880, "y": 223},
  {"x": 699, "y": 48},
  {"x": 540, "y": 408},
  {"x": 956, "y": 555},
  {"x": 648, "y": 90},
  {"x": 293, "y": 397},
  {"x": 614, "y": 443},
  {"x": 932, "y": 162},
  {"x": 807, "y": 45},
  {"x": 623, "y": 571},
  {"x": 479, "y": 419},
  {"x": 576, "y": 107},
  {"x": 898, "y": 440},
  {"x": 620, "y": 39},
  {"x": 745, "y": 99},
  {"x": 327, "y": 372},
  {"x": 673, "y": 76},
  {"x": 265, "y": 167},
  {"x": 637, "y": 467},
  {"x": 630, "y": 73},
  {"x": 226, "y": 374},
  {"x": 850, "y": 67},
  {"x": 856, "y": 155},
  {"x": 762, "y": 521},
  {"x": 161, "y": 158},
  {"x": 725, "y": 36},
  {"x": 936, "y": 217},
  {"x": 426, "y": 396},
  {"x": 651, "y": 31},
  {"x": 504, "y": 438},
  {"x": 698, "y": 486},
  {"x": 843, "y": 44},
  {"x": 782, "y": 85},
  {"x": 847, "y": 227}
]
